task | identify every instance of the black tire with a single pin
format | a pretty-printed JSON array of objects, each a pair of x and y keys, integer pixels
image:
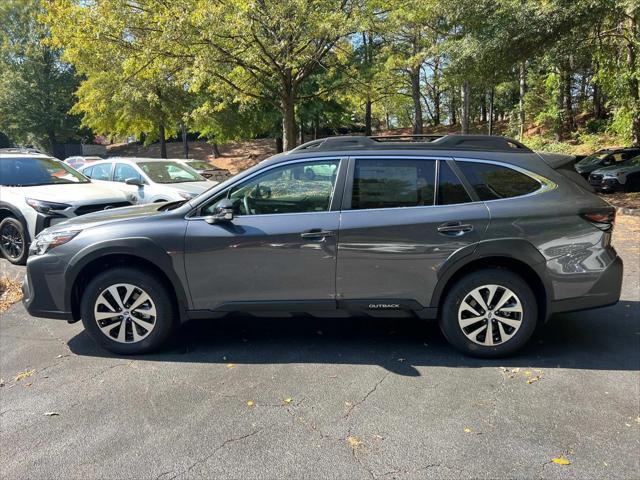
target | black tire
[
  {"x": 12, "y": 230},
  {"x": 453, "y": 331},
  {"x": 165, "y": 321}
]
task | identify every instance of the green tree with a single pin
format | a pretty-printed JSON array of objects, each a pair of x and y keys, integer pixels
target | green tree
[{"x": 36, "y": 86}]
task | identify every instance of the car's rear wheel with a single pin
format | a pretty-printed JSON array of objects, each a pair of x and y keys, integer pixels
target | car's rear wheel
[
  {"x": 128, "y": 311},
  {"x": 489, "y": 313},
  {"x": 14, "y": 243}
]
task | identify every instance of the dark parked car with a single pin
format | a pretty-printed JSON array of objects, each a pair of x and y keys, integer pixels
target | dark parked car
[
  {"x": 605, "y": 158},
  {"x": 486, "y": 236},
  {"x": 622, "y": 177}
]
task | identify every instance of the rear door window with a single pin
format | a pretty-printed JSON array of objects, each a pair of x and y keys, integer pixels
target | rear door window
[
  {"x": 492, "y": 182},
  {"x": 393, "y": 183}
]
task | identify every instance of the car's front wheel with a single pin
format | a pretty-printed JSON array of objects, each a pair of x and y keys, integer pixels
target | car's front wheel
[
  {"x": 14, "y": 243},
  {"x": 128, "y": 311},
  {"x": 489, "y": 313}
]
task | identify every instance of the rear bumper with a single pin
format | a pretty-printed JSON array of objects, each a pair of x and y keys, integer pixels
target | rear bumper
[{"x": 605, "y": 292}]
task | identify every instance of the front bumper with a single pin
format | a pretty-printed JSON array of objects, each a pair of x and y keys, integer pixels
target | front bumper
[
  {"x": 43, "y": 289},
  {"x": 608, "y": 185},
  {"x": 605, "y": 292}
]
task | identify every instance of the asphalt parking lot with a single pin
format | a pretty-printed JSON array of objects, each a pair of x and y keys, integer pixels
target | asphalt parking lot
[{"x": 300, "y": 397}]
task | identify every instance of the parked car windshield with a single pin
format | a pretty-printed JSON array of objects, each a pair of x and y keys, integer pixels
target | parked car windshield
[
  {"x": 28, "y": 172},
  {"x": 593, "y": 159},
  {"x": 170, "y": 172},
  {"x": 635, "y": 161}
]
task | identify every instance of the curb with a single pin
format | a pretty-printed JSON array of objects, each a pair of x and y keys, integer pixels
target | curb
[{"x": 628, "y": 211}]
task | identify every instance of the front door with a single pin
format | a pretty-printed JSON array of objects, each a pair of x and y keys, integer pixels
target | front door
[
  {"x": 397, "y": 230},
  {"x": 279, "y": 251}
]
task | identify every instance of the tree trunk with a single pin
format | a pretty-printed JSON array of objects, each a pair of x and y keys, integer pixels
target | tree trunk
[
  {"x": 288, "y": 123},
  {"x": 367, "y": 116},
  {"x": 316, "y": 126},
  {"x": 598, "y": 102},
  {"x": 558, "y": 133},
  {"x": 634, "y": 85},
  {"x": 215, "y": 150},
  {"x": 185, "y": 142},
  {"x": 523, "y": 91},
  {"x": 301, "y": 133},
  {"x": 52, "y": 141},
  {"x": 568, "y": 101},
  {"x": 464, "y": 118},
  {"x": 483, "y": 108},
  {"x": 452, "y": 107},
  {"x": 490, "y": 113},
  {"x": 417, "y": 102},
  {"x": 279, "y": 146},
  {"x": 163, "y": 144}
]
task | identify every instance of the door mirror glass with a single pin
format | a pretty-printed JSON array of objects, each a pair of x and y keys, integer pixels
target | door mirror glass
[{"x": 222, "y": 212}]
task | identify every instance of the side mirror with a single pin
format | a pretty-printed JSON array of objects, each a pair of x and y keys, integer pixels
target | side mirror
[
  {"x": 223, "y": 212},
  {"x": 134, "y": 181}
]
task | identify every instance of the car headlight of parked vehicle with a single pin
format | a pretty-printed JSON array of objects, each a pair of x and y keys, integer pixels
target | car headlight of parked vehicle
[
  {"x": 48, "y": 240},
  {"x": 42, "y": 206}
]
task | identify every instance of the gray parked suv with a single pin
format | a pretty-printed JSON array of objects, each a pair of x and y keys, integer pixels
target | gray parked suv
[{"x": 481, "y": 233}]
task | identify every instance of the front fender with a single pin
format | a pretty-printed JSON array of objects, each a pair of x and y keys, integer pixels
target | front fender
[{"x": 140, "y": 247}]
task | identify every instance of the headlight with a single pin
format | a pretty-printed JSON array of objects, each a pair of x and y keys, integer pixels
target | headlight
[
  {"x": 187, "y": 196},
  {"x": 45, "y": 207},
  {"x": 46, "y": 241}
]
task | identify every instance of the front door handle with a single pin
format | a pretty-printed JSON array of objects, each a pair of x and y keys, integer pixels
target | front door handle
[
  {"x": 455, "y": 228},
  {"x": 317, "y": 233}
]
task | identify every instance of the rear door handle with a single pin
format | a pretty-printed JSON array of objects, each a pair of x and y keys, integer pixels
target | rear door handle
[
  {"x": 455, "y": 228},
  {"x": 317, "y": 233}
]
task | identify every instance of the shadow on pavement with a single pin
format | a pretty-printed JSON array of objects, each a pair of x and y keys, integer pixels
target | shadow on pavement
[{"x": 604, "y": 339}]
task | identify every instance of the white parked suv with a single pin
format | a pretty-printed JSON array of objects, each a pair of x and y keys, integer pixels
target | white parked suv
[
  {"x": 38, "y": 191},
  {"x": 149, "y": 179}
]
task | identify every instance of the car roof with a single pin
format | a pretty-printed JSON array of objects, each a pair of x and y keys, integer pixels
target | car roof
[
  {"x": 140, "y": 159},
  {"x": 15, "y": 154}
]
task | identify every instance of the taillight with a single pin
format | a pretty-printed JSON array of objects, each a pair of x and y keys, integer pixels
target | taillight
[{"x": 604, "y": 219}]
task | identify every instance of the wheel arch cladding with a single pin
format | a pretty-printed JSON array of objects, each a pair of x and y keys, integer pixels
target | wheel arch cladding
[
  {"x": 143, "y": 254},
  {"x": 521, "y": 265}
]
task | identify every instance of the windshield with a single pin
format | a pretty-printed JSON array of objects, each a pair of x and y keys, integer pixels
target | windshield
[
  {"x": 593, "y": 159},
  {"x": 28, "y": 172},
  {"x": 170, "y": 172},
  {"x": 200, "y": 165}
]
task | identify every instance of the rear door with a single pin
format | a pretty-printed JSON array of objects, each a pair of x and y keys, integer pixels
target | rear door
[{"x": 402, "y": 218}]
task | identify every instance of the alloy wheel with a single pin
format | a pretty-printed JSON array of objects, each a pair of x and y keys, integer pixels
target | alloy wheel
[
  {"x": 125, "y": 313},
  {"x": 490, "y": 315},
  {"x": 12, "y": 241}
]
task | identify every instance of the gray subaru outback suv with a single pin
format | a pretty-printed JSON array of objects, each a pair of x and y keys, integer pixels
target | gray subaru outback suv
[{"x": 480, "y": 233}]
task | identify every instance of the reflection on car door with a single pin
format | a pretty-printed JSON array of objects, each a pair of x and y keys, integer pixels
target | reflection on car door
[
  {"x": 280, "y": 249},
  {"x": 396, "y": 230}
]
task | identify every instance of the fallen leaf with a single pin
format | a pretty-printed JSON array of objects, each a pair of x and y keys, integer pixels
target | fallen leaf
[
  {"x": 355, "y": 442},
  {"x": 561, "y": 460},
  {"x": 25, "y": 374},
  {"x": 288, "y": 400},
  {"x": 250, "y": 403},
  {"x": 231, "y": 365},
  {"x": 51, "y": 414},
  {"x": 467, "y": 430},
  {"x": 1, "y": 382},
  {"x": 533, "y": 379}
]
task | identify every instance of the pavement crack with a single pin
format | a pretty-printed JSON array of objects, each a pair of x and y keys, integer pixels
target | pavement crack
[
  {"x": 216, "y": 450},
  {"x": 364, "y": 399}
]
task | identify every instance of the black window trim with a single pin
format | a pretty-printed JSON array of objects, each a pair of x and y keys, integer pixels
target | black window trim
[{"x": 336, "y": 196}]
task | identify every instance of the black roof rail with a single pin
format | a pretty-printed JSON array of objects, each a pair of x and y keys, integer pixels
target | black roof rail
[{"x": 431, "y": 142}]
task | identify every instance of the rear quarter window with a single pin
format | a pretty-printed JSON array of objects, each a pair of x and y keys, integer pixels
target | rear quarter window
[{"x": 493, "y": 182}]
